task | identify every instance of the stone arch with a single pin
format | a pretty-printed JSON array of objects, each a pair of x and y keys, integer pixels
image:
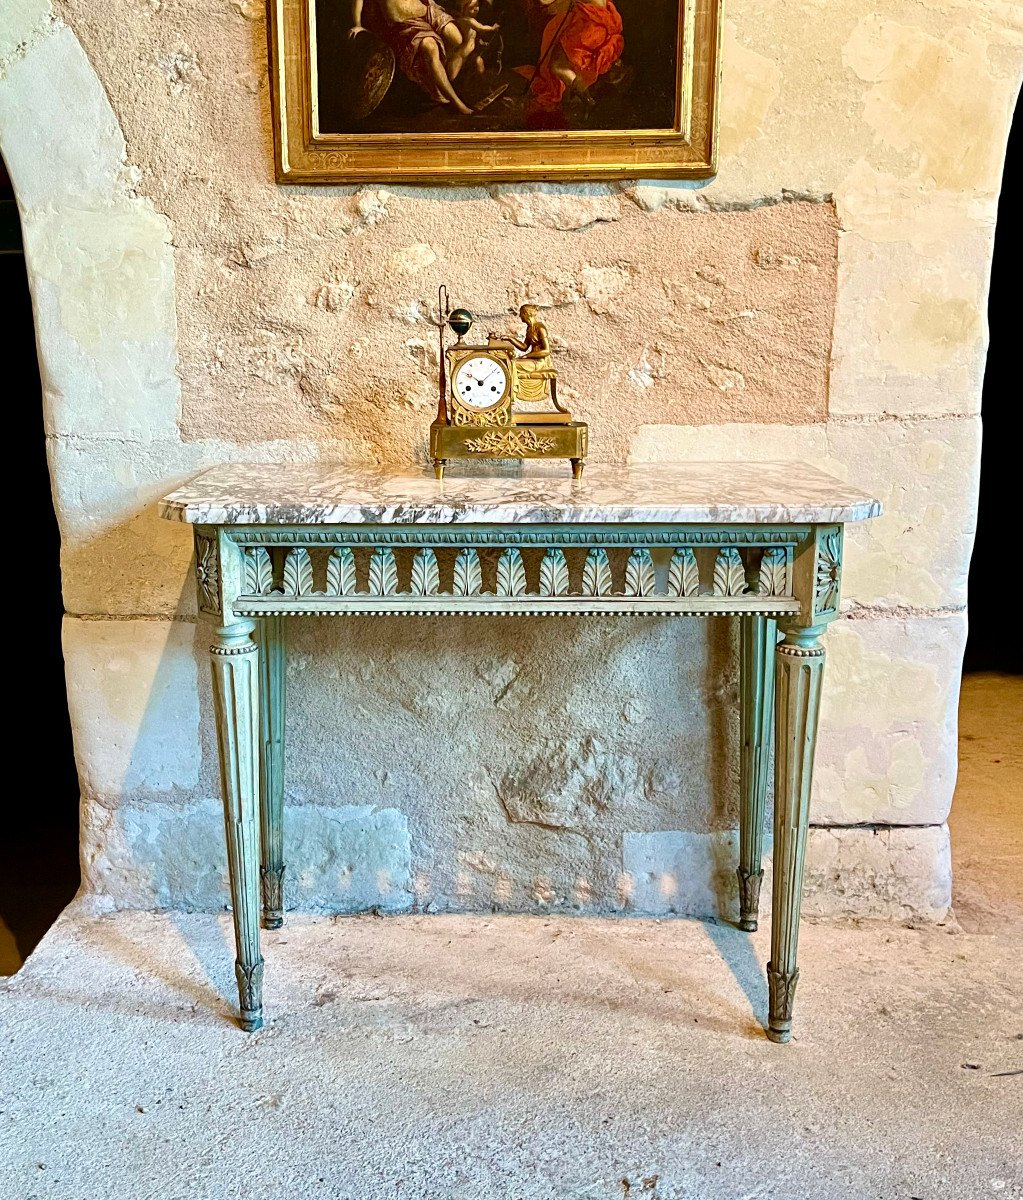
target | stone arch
[{"x": 99, "y": 257}]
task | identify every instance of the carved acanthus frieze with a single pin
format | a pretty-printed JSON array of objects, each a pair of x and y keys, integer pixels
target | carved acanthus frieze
[
  {"x": 510, "y": 443},
  {"x": 642, "y": 573}
]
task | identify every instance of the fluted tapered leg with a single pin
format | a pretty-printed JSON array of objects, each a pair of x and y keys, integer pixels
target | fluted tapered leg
[
  {"x": 271, "y": 719},
  {"x": 235, "y": 662},
  {"x": 758, "y": 636},
  {"x": 799, "y": 671}
]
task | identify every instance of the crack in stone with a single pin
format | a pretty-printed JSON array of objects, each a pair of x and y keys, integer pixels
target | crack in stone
[{"x": 514, "y": 819}]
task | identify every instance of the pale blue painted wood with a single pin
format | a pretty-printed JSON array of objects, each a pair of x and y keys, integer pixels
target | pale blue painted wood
[
  {"x": 235, "y": 662},
  {"x": 799, "y": 672},
  {"x": 272, "y": 695},
  {"x": 757, "y": 639},
  {"x": 251, "y": 729}
]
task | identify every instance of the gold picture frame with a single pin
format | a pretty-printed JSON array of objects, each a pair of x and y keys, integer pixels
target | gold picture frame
[{"x": 306, "y": 153}]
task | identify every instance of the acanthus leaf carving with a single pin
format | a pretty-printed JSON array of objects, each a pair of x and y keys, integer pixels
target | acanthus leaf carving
[
  {"x": 773, "y": 573},
  {"x": 298, "y": 573},
  {"x": 468, "y": 577},
  {"x": 597, "y": 573},
  {"x": 729, "y": 575},
  {"x": 511, "y": 574},
  {"x": 425, "y": 575},
  {"x": 683, "y": 573},
  {"x": 640, "y": 579},
  {"x": 383, "y": 573},
  {"x": 554, "y": 574},
  {"x": 259, "y": 579},
  {"x": 341, "y": 572}
]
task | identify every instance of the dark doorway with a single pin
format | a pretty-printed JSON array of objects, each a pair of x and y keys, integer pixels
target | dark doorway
[
  {"x": 39, "y": 870},
  {"x": 993, "y": 645}
]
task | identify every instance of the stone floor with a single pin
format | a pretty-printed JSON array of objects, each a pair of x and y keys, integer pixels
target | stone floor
[
  {"x": 987, "y": 815},
  {"x": 515, "y": 1058}
]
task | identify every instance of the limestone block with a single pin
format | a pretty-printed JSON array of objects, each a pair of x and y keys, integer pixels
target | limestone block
[
  {"x": 900, "y": 874},
  {"x": 680, "y": 873},
  {"x": 61, "y": 141},
  {"x": 117, "y": 555},
  {"x": 891, "y": 874},
  {"x": 348, "y": 858},
  {"x": 809, "y": 90},
  {"x": 20, "y": 20},
  {"x": 103, "y": 286},
  {"x": 134, "y": 705},
  {"x": 886, "y": 751},
  {"x": 925, "y": 472},
  {"x": 910, "y": 331}
]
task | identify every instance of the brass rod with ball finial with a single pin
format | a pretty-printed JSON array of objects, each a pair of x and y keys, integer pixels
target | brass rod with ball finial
[{"x": 443, "y": 310}]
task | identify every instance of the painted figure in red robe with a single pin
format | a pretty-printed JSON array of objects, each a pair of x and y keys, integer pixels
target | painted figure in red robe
[{"x": 581, "y": 41}]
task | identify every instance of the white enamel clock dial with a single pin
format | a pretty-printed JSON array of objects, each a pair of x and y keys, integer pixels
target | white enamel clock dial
[{"x": 480, "y": 382}]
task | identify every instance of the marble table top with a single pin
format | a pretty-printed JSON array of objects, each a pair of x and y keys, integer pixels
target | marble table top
[{"x": 544, "y": 493}]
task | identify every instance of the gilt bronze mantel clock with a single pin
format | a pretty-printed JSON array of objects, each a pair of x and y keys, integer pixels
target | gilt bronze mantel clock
[{"x": 488, "y": 392}]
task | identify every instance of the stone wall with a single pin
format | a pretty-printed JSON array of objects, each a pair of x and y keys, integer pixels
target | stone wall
[{"x": 822, "y": 299}]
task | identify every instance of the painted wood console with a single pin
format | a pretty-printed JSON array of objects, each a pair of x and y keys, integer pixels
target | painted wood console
[{"x": 761, "y": 542}]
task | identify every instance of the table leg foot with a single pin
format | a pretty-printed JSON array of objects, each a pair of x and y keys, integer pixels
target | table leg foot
[
  {"x": 757, "y": 640},
  {"x": 782, "y": 988},
  {"x": 272, "y": 882},
  {"x": 250, "y": 995},
  {"x": 271, "y": 799},
  {"x": 749, "y": 898},
  {"x": 799, "y": 662},
  {"x": 236, "y": 701}
]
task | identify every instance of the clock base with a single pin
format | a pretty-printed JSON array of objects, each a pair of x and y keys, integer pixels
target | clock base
[{"x": 539, "y": 440}]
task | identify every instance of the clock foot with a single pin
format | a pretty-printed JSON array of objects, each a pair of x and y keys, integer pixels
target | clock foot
[
  {"x": 577, "y": 468},
  {"x": 438, "y": 467}
]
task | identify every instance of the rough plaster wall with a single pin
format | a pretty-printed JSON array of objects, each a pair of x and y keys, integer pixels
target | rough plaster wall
[{"x": 822, "y": 299}]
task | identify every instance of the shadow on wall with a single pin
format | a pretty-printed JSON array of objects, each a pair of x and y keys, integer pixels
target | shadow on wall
[{"x": 470, "y": 765}]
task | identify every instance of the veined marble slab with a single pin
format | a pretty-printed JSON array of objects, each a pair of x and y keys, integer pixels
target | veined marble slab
[{"x": 683, "y": 493}]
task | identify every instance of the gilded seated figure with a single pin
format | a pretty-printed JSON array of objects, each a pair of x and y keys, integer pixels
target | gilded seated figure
[{"x": 534, "y": 377}]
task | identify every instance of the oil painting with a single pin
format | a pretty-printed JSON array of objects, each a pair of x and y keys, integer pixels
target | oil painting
[{"x": 443, "y": 90}]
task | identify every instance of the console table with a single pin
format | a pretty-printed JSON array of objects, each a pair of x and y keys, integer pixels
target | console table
[{"x": 762, "y": 542}]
